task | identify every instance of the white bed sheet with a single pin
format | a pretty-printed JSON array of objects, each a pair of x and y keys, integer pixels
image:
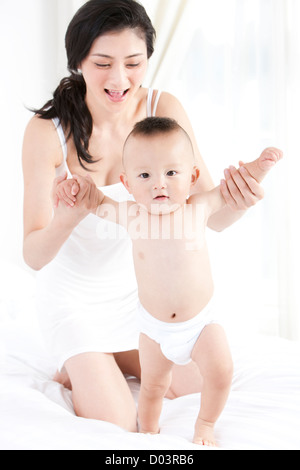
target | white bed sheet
[{"x": 263, "y": 410}]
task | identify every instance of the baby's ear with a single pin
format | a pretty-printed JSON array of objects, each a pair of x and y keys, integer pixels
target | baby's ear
[
  {"x": 124, "y": 180},
  {"x": 195, "y": 175}
]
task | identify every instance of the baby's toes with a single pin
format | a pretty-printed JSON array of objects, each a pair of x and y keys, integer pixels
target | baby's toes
[
  {"x": 208, "y": 443},
  {"x": 204, "y": 442}
]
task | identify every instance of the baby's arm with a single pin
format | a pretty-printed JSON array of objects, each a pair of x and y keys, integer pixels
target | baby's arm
[
  {"x": 258, "y": 169},
  {"x": 116, "y": 212},
  {"x": 101, "y": 205},
  {"x": 212, "y": 201},
  {"x": 73, "y": 192}
]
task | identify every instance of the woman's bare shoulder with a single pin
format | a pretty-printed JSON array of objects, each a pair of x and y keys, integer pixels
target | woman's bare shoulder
[
  {"x": 37, "y": 124},
  {"x": 40, "y": 137},
  {"x": 168, "y": 104}
]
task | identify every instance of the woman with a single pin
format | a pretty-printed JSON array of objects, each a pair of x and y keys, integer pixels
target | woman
[{"x": 86, "y": 285}]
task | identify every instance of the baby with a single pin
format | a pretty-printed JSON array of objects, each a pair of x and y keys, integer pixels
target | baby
[{"x": 167, "y": 228}]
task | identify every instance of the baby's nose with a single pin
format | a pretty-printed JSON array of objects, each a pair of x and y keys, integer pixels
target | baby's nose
[{"x": 160, "y": 183}]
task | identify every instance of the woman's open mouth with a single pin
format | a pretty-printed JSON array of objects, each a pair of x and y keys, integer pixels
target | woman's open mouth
[{"x": 116, "y": 96}]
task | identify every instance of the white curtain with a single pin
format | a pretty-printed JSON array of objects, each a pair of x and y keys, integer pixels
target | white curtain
[{"x": 235, "y": 66}]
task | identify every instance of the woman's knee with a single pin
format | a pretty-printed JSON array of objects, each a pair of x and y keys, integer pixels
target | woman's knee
[
  {"x": 100, "y": 391},
  {"x": 125, "y": 418}
]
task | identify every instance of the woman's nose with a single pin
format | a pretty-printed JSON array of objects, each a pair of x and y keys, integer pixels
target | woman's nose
[{"x": 118, "y": 78}]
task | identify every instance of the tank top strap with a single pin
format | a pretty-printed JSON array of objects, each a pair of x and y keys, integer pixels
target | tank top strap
[
  {"x": 151, "y": 112},
  {"x": 61, "y": 136}
]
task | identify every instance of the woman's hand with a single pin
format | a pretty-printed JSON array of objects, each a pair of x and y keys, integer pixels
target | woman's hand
[
  {"x": 64, "y": 190},
  {"x": 89, "y": 197},
  {"x": 239, "y": 189},
  {"x": 75, "y": 198}
]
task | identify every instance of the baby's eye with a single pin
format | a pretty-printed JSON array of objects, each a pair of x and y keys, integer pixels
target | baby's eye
[
  {"x": 144, "y": 175},
  {"x": 172, "y": 173}
]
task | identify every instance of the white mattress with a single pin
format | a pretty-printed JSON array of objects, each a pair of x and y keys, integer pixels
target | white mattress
[{"x": 263, "y": 410}]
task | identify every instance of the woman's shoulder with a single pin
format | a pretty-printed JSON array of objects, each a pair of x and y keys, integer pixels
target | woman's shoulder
[
  {"x": 41, "y": 137},
  {"x": 37, "y": 125},
  {"x": 169, "y": 105}
]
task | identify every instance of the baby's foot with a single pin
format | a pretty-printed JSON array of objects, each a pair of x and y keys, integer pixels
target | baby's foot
[
  {"x": 204, "y": 433},
  {"x": 260, "y": 167},
  {"x": 149, "y": 433}
]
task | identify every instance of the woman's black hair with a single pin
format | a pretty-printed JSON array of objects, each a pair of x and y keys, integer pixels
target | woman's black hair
[{"x": 93, "y": 19}]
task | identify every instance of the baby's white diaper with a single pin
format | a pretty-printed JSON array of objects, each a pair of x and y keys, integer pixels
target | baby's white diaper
[{"x": 177, "y": 340}]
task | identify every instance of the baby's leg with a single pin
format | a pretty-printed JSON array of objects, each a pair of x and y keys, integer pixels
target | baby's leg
[
  {"x": 260, "y": 167},
  {"x": 155, "y": 381},
  {"x": 213, "y": 357}
]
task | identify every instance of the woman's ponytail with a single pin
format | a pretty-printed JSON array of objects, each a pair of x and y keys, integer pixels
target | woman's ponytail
[{"x": 69, "y": 106}]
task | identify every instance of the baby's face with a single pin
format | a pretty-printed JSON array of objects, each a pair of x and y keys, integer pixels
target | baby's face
[{"x": 159, "y": 171}]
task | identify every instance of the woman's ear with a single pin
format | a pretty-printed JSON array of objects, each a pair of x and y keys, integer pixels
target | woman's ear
[
  {"x": 195, "y": 175},
  {"x": 124, "y": 180}
]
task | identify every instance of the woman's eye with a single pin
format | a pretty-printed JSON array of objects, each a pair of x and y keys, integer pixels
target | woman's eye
[
  {"x": 102, "y": 66},
  {"x": 144, "y": 175},
  {"x": 132, "y": 65}
]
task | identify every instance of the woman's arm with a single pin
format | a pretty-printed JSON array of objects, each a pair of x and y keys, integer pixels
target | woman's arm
[
  {"x": 239, "y": 192},
  {"x": 44, "y": 233},
  {"x": 73, "y": 192}
]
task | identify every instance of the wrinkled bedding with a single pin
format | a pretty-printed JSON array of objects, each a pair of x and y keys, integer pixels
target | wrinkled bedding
[{"x": 36, "y": 413}]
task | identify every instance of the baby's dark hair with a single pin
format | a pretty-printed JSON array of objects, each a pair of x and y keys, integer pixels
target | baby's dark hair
[
  {"x": 155, "y": 125},
  {"x": 152, "y": 126}
]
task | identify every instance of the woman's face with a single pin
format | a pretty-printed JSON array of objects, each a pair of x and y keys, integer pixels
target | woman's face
[{"x": 115, "y": 68}]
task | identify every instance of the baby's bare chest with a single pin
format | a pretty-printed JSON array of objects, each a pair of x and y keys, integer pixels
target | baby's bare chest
[
  {"x": 179, "y": 228},
  {"x": 169, "y": 242}
]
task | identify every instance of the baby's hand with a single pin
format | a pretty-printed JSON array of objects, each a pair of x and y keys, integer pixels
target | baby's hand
[{"x": 66, "y": 192}]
